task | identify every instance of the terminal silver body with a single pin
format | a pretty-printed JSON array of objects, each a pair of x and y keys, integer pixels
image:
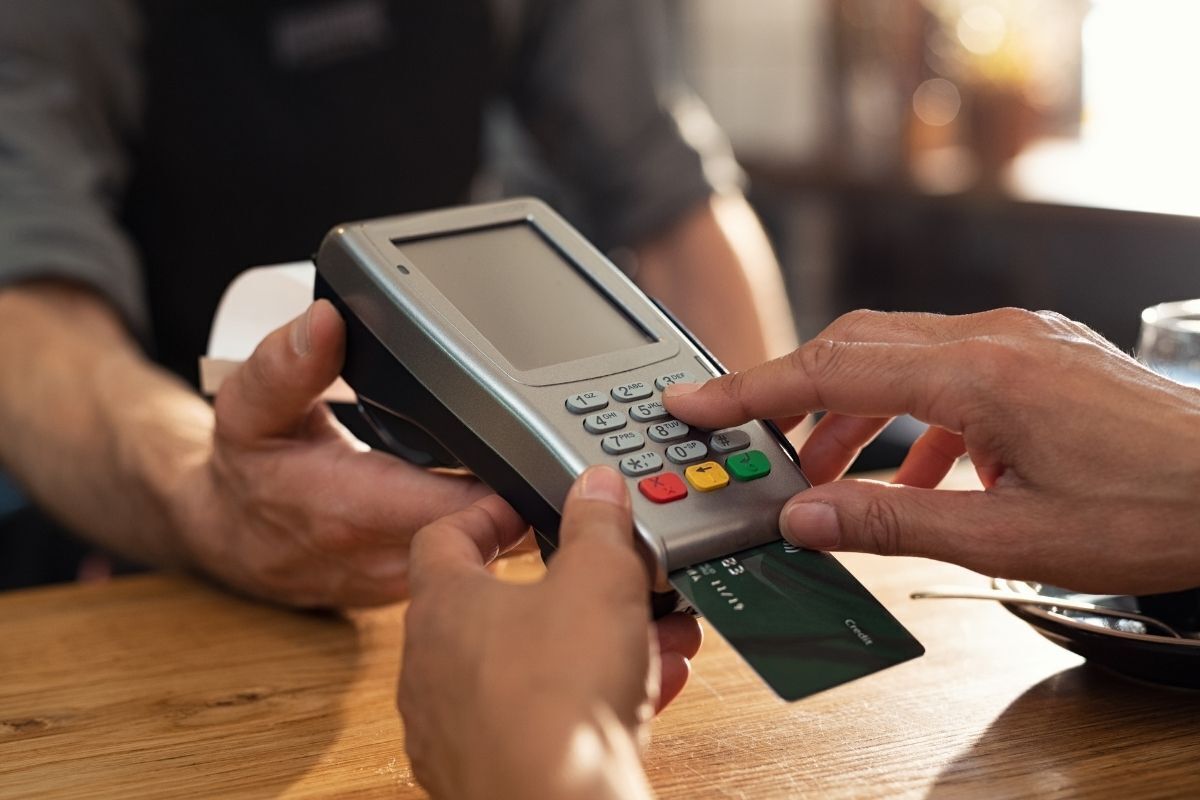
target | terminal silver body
[{"x": 520, "y": 413}]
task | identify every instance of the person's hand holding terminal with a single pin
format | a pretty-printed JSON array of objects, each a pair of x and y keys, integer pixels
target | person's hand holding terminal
[
  {"x": 288, "y": 505},
  {"x": 264, "y": 491},
  {"x": 540, "y": 690},
  {"x": 1090, "y": 462}
]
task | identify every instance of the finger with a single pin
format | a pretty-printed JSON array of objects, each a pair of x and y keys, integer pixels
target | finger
[
  {"x": 834, "y": 444},
  {"x": 673, "y": 676},
  {"x": 526, "y": 544},
  {"x": 788, "y": 424},
  {"x": 979, "y": 530},
  {"x": 679, "y": 633},
  {"x": 989, "y": 473},
  {"x": 930, "y": 458},
  {"x": 459, "y": 545},
  {"x": 597, "y": 509},
  {"x": 272, "y": 393},
  {"x": 389, "y": 498},
  {"x": 860, "y": 379},
  {"x": 596, "y": 538}
]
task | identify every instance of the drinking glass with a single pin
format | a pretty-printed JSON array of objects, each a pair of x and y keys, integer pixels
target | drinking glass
[
  {"x": 1170, "y": 340},
  {"x": 1169, "y": 344}
]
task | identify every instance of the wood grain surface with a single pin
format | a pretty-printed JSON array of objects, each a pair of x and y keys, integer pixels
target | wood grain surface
[{"x": 161, "y": 686}]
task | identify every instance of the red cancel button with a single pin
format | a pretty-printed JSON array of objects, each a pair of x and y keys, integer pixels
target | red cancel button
[{"x": 663, "y": 488}]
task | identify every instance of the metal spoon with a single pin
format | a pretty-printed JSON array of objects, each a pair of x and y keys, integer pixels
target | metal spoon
[{"x": 1019, "y": 598}]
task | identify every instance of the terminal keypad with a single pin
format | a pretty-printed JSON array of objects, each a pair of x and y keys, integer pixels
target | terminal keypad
[{"x": 681, "y": 445}]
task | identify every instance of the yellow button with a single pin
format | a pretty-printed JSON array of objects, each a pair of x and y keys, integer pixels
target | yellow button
[{"x": 707, "y": 477}]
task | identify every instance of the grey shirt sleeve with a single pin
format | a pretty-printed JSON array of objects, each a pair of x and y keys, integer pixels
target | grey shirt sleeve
[
  {"x": 68, "y": 102},
  {"x": 589, "y": 85}
]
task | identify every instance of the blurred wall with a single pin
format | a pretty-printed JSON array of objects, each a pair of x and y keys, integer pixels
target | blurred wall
[
  {"x": 763, "y": 69},
  {"x": 850, "y": 237}
]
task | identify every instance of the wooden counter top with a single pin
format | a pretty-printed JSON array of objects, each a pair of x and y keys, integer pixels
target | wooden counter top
[{"x": 161, "y": 686}]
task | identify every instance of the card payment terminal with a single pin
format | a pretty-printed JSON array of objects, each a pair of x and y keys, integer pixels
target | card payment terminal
[{"x": 496, "y": 337}]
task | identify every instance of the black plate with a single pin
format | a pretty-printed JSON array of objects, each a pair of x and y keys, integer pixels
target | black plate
[{"x": 1122, "y": 646}]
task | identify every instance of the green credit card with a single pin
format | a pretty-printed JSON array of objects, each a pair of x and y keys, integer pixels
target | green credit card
[{"x": 797, "y": 617}]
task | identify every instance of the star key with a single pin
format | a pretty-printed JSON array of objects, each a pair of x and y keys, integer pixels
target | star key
[{"x": 641, "y": 464}]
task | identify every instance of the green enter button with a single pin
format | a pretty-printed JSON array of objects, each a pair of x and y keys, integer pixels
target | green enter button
[{"x": 748, "y": 465}]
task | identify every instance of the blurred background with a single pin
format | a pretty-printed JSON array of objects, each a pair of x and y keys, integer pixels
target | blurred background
[{"x": 956, "y": 155}]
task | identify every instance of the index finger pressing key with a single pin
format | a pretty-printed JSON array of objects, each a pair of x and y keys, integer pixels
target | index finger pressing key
[{"x": 864, "y": 379}]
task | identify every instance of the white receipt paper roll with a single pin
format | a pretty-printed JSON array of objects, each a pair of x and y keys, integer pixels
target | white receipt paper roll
[{"x": 257, "y": 302}]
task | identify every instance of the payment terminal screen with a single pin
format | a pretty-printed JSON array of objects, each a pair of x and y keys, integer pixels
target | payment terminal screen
[{"x": 533, "y": 305}]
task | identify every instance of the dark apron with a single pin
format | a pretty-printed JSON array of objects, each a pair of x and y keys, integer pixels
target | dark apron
[{"x": 268, "y": 121}]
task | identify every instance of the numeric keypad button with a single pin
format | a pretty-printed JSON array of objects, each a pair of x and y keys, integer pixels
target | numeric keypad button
[
  {"x": 663, "y": 381},
  {"x": 629, "y": 392},
  {"x": 624, "y": 442},
  {"x": 729, "y": 441},
  {"x": 605, "y": 421},
  {"x": 670, "y": 431},
  {"x": 648, "y": 411},
  {"x": 641, "y": 464},
  {"x": 687, "y": 452},
  {"x": 584, "y": 402}
]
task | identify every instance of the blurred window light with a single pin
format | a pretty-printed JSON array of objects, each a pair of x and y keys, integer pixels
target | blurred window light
[
  {"x": 761, "y": 67},
  {"x": 1139, "y": 63},
  {"x": 1141, "y": 121}
]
